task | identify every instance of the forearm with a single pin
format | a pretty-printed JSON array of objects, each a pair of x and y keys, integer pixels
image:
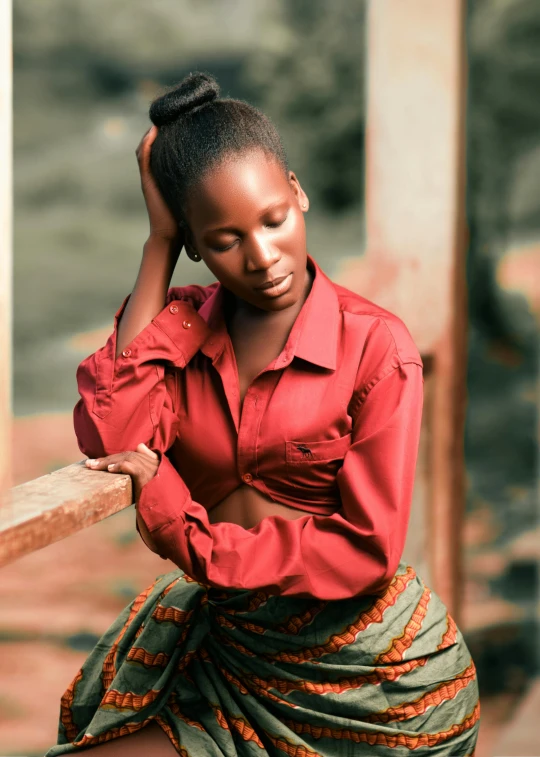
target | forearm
[
  {"x": 326, "y": 557},
  {"x": 148, "y": 297},
  {"x": 124, "y": 397}
]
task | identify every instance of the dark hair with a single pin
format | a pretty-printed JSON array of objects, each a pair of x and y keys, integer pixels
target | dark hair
[{"x": 198, "y": 129}]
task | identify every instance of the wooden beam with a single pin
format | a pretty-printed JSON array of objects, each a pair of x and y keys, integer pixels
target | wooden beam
[
  {"x": 47, "y": 509},
  {"x": 6, "y": 273}
]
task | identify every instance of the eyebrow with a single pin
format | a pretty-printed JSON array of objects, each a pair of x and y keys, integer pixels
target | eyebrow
[{"x": 234, "y": 229}]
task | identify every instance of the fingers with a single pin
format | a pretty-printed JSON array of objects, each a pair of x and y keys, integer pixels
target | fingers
[
  {"x": 147, "y": 138},
  {"x": 147, "y": 451},
  {"x": 141, "y": 466},
  {"x": 150, "y": 136},
  {"x": 101, "y": 463},
  {"x": 124, "y": 466},
  {"x": 143, "y": 148},
  {"x": 138, "y": 466}
]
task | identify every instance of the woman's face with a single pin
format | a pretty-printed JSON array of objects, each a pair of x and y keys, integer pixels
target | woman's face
[{"x": 247, "y": 224}]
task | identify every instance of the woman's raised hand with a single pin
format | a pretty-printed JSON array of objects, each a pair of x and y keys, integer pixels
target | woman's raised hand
[{"x": 162, "y": 222}]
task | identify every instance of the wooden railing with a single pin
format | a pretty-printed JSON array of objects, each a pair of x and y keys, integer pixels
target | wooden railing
[{"x": 52, "y": 507}]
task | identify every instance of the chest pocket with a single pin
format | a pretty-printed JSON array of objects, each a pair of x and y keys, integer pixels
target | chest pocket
[
  {"x": 311, "y": 468},
  {"x": 308, "y": 453}
]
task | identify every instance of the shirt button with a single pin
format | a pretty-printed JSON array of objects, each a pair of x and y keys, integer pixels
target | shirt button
[
  {"x": 247, "y": 477},
  {"x": 186, "y": 324},
  {"x": 126, "y": 353},
  {"x": 174, "y": 308}
]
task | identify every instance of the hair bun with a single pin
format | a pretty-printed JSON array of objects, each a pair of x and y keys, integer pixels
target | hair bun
[{"x": 195, "y": 90}]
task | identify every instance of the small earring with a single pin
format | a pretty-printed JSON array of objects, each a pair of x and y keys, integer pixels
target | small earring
[
  {"x": 304, "y": 205},
  {"x": 196, "y": 256}
]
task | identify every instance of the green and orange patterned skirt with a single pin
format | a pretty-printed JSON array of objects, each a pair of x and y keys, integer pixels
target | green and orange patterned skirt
[{"x": 249, "y": 673}]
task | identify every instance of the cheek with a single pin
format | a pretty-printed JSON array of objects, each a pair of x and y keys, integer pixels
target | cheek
[
  {"x": 296, "y": 233},
  {"x": 228, "y": 273}
]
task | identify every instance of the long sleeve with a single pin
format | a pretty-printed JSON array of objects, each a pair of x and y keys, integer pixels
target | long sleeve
[
  {"x": 130, "y": 399},
  {"x": 354, "y": 551}
]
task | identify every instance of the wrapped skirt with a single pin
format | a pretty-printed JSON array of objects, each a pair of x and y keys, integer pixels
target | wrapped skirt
[{"x": 248, "y": 673}]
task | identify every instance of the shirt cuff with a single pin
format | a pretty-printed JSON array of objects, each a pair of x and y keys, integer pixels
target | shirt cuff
[
  {"x": 185, "y": 329},
  {"x": 163, "y": 498},
  {"x": 143, "y": 541}
]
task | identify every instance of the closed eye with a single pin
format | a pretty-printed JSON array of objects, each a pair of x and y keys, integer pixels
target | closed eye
[
  {"x": 275, "y": 224},
  {"x": 271, "y": 225},
  {"x": 224, "y": 249}
]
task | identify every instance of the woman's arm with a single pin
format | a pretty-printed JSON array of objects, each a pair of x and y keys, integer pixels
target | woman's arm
[
  {"x": 150, "y": 291},
  {"x": 130, "y": 399},
  {"x": 123, "y": 385},
  {"x": 160, "y": 254},
  {"x": 354, "y": 551}
]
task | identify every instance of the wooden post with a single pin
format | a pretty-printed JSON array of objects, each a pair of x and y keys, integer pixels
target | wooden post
[
  {"x": 415, "y": 222},
  {"x": 6, "y": 274},
  {"x": 414, "y": 264}
]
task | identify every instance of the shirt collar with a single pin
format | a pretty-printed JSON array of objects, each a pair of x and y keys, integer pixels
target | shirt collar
[{"x": 313, "y": 337}]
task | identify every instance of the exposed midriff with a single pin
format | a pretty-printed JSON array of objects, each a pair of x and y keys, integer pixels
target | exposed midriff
[{"x": 246, "y": 506}]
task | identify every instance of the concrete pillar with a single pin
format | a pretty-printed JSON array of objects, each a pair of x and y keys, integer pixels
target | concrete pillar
[{"x": 416, "y": 237}]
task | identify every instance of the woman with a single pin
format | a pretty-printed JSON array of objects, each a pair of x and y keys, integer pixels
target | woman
[{"x": 270, "y": 425}]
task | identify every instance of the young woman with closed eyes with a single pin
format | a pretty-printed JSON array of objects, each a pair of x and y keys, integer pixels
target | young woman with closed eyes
[{"x": 270, "y": 424}]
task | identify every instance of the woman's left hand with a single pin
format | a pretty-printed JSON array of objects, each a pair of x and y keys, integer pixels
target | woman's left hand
[{"x": 141, "y": 465}]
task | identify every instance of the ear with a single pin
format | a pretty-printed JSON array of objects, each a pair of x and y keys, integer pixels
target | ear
[
  {"x": 189, "y": 244},
  {"x": 301, "y": 196}
]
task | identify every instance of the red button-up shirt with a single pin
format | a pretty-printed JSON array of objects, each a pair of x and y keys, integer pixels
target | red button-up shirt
[{"x": 331, "y": 426}]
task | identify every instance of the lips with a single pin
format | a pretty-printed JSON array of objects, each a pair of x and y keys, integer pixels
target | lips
[{"x": 273, "y": 283}]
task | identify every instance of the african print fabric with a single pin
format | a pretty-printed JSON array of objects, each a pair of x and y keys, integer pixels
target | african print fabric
[{"x": 248, "y": 673}]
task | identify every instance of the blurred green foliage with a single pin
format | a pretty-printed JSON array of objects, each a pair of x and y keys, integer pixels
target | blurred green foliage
[
  {"x": 314, "y": 87},
  {"x": 503, "y": 182}
]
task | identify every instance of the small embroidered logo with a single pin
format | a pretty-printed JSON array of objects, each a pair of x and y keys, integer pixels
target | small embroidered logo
[{"x": 306, "y": 452}]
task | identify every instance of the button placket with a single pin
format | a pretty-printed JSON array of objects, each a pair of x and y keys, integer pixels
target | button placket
[
  {"x": 255, "y": 408},
  {"x": 247, "y": 436}
]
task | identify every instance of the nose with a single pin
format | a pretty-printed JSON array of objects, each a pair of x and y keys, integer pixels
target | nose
[{"x": 260, "y": 253}]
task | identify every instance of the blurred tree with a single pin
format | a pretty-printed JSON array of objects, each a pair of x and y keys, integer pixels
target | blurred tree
[
  {"x": 503, "y": 209},
  {"x": 310, "y": 79}
]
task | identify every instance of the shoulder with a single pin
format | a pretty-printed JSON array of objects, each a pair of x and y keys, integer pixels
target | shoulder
[
  {"x": 195, "y": 294},
  {"x": 383, "y": 333},
  {"x": 375, "y": 342}
]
